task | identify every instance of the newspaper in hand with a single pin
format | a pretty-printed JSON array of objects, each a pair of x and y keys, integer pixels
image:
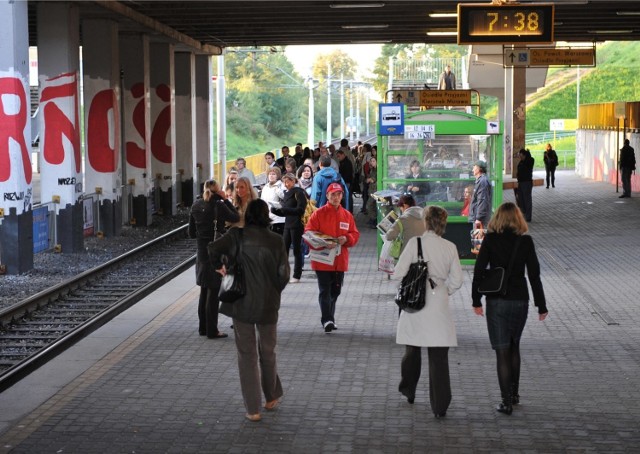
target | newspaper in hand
[
  {"x": 318, "y": 240},
  {"x": 320, "y": 244},
  {"x": 385, "y": 225}
]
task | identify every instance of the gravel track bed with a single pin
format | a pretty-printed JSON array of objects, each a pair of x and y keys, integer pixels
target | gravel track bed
[{"x": 51, "y": 268}]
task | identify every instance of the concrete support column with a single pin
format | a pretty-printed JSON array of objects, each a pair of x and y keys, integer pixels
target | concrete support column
[
  {"x": 103, "y": 170},
  {"x": 163, "y": 131},
  {"x": 519, "y": 113},
  {"x": 59, "y": 121},
  {"x": 203, "y": 124},
  {"x": 136, "y": 124},
  {"x": 507, "y": 115},
  {"x": 185, "y": 122},
  {"x": 16, "y": 217}
]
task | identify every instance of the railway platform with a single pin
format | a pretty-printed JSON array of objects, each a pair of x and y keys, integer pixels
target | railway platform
[{"x": 148, "y": 383}]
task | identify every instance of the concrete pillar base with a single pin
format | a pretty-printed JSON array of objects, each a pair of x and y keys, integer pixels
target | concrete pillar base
[
  {"x": 142, "y": 211},
  {"x": 16, "y": 242},
  {"x": 71, "y": 228}
]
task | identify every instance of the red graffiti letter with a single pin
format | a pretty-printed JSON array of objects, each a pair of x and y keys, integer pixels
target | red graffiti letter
[
  {"x": 57, "y": 124},
  {"x": 159, "y": 147},
  {"x": 12, "y": 126},
  {"x": 135, "y": 154},
  {"x": 102, "y": 157}
]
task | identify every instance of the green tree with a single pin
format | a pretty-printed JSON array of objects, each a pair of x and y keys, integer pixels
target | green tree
[{"x": 263, "y": 85}]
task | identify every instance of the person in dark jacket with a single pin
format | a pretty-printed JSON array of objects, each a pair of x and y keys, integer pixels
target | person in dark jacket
[
  {"x": 255, "y": 315},
  {"x": 627, "y": 166},
  {"x": 480, "y": 205},
  {"x": 525, "y": 183},
  {"x": 292, "y": 209},
  {"x": 550, "y": 159},
  {"x": 208, "y": 216},
  {"x": 507, "y": 315}
]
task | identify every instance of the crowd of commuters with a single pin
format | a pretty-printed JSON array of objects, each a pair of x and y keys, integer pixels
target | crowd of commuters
[{"x": 257, "y": 225}]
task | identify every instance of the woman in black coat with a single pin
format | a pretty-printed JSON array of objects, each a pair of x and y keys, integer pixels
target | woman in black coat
[
  {"x": 507, "y": 315},
  {"x": 293, "y": 206},
  {"x": 207, "y": 218}
]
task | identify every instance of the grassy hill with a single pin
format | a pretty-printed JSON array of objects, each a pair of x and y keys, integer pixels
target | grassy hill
[{"x": 615, "y": 78}]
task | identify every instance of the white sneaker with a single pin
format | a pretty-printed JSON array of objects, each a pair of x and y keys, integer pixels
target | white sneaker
[{"x": 293, "y": 280}]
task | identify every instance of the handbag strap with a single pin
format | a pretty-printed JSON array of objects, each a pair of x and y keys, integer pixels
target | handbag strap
[{"x": 421, "y": 259}]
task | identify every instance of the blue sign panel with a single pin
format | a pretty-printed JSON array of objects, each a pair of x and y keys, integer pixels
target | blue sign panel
[
  {"x": 40, "y": 229},
  {"x": 391, "y": 119}
]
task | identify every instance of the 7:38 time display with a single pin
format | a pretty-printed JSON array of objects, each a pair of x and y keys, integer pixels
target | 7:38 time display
[{"x": 490, "y": 24}]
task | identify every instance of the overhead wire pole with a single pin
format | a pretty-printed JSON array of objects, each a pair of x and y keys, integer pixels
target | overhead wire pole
[
  {"x": 328, "y": 139},
  {"x": 310, "y": 123},
  {"x": 221, "y": 120},
  {"x": 367, "y": 111},
  {"x": 357, "y": 112},
  {"x": 351, "y": 110},
  {"x": 342, "y": 106}
]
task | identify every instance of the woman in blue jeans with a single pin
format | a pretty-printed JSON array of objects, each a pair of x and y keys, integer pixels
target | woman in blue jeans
[{"x": 507, "y": 314}]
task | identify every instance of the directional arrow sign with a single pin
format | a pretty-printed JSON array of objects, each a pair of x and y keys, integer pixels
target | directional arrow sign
[{"x": 516, "y": 57}]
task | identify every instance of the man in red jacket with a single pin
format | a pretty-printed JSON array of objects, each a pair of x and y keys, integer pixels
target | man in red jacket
[{"x": 338, "y": 223}]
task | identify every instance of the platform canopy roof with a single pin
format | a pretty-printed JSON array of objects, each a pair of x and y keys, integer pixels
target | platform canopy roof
[{"x": 275, "y": 23}]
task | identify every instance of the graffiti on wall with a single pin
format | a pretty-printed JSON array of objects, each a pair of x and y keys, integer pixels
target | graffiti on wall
[
  {"x": 102, "y": 127},
  {"x": 13, "y": 124},
  {"x": 61, "y": 129}
]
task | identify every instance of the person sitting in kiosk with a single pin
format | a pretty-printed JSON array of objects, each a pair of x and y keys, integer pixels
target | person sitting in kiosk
[{"x": 418, "y": 189}]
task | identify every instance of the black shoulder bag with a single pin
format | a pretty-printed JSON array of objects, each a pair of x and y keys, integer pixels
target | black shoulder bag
[
  {"x": 495, "y": 281},
  {"x": 412, "y": 292},
  {"x": 233, "y": 285}
]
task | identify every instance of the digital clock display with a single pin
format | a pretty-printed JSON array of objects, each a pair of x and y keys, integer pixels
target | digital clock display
[{"x": 505, "y": 24}]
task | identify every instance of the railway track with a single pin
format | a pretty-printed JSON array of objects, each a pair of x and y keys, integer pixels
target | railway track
[{"x": 40, "y": 327}]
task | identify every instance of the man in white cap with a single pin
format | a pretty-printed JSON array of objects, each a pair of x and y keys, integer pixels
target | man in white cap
[{"x": 336, "y": 222}]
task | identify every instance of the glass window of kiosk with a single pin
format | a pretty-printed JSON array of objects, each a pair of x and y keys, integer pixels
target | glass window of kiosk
[{"x": 437, "y": 171}]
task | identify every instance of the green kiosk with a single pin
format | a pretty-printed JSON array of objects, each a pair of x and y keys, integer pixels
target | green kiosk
[{"x": 430, "y": 154}]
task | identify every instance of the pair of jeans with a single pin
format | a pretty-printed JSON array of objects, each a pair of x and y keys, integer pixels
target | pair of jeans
[
  {"x": 293, "y": 235},
  {"x": 551, "y": 176},
  {"x": 524, "y": 198},
  {"x": 256, "y": 345},
  {"x": 329, "y": 286}
]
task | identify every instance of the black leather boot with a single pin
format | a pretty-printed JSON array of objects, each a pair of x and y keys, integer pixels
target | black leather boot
[
  {"x": 515, "y": 397},
  {"x": 506, "y": 406}
]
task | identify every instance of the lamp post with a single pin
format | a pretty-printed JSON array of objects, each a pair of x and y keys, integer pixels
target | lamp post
[
  {"x": 310, "y": 132},
  {"x": 328, "y": 140}
]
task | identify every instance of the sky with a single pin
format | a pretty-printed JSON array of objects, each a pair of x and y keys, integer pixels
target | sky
[{"x": 303, "y": 57}]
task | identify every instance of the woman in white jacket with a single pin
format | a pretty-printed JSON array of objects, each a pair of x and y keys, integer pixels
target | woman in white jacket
[
  {"x": 273, "y": 194},
  {"x": 433, "y": 326}
]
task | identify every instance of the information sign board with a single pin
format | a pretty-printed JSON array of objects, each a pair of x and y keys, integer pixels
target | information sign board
[
  {"x": 543, "y": 56},
  {"x": 391, "y": 119},
  {"x": 427, "y": 132}
]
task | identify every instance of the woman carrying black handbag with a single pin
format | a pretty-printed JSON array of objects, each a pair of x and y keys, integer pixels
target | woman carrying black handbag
[
  {"x": 507, "y": 313},
  {"x": 206, "y": 222},
  {"x": 431, "y": 326}
]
